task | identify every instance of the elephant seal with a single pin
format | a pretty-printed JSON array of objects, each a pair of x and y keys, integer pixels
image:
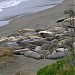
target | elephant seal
[
  {"x": 57, "y": 55},
  {"x": 33, "y": 54}
]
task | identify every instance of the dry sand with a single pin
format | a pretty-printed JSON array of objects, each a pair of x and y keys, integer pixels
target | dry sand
[{"x": 41, "y": 20}]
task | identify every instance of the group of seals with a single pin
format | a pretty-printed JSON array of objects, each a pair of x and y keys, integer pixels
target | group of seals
[{"x": 42, "y": 44}]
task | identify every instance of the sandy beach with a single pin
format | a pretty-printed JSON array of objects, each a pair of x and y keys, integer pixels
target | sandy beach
[{"x": 41, "y": 20}]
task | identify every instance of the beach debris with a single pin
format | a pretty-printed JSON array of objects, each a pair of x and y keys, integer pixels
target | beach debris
[{"x": 33, "y": 54}]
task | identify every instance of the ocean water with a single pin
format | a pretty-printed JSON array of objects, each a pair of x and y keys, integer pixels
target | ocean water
[{"x": 13, "y": 8}]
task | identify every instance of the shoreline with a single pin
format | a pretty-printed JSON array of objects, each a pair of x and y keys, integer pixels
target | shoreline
[
  {"x": 40, "y": 20},
  {"x": 7, "y": 19},
  {"x": 25, "y": 8}
]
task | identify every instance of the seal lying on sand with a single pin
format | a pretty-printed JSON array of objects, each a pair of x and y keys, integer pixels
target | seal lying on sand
[
  {"x": 57, "y": 55},
  {"x": 33, "y": 54},
  {"x": 35, "y": 41},
  {"x": 13, "y": 45},
  {"x": 45, "y": 34}
]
